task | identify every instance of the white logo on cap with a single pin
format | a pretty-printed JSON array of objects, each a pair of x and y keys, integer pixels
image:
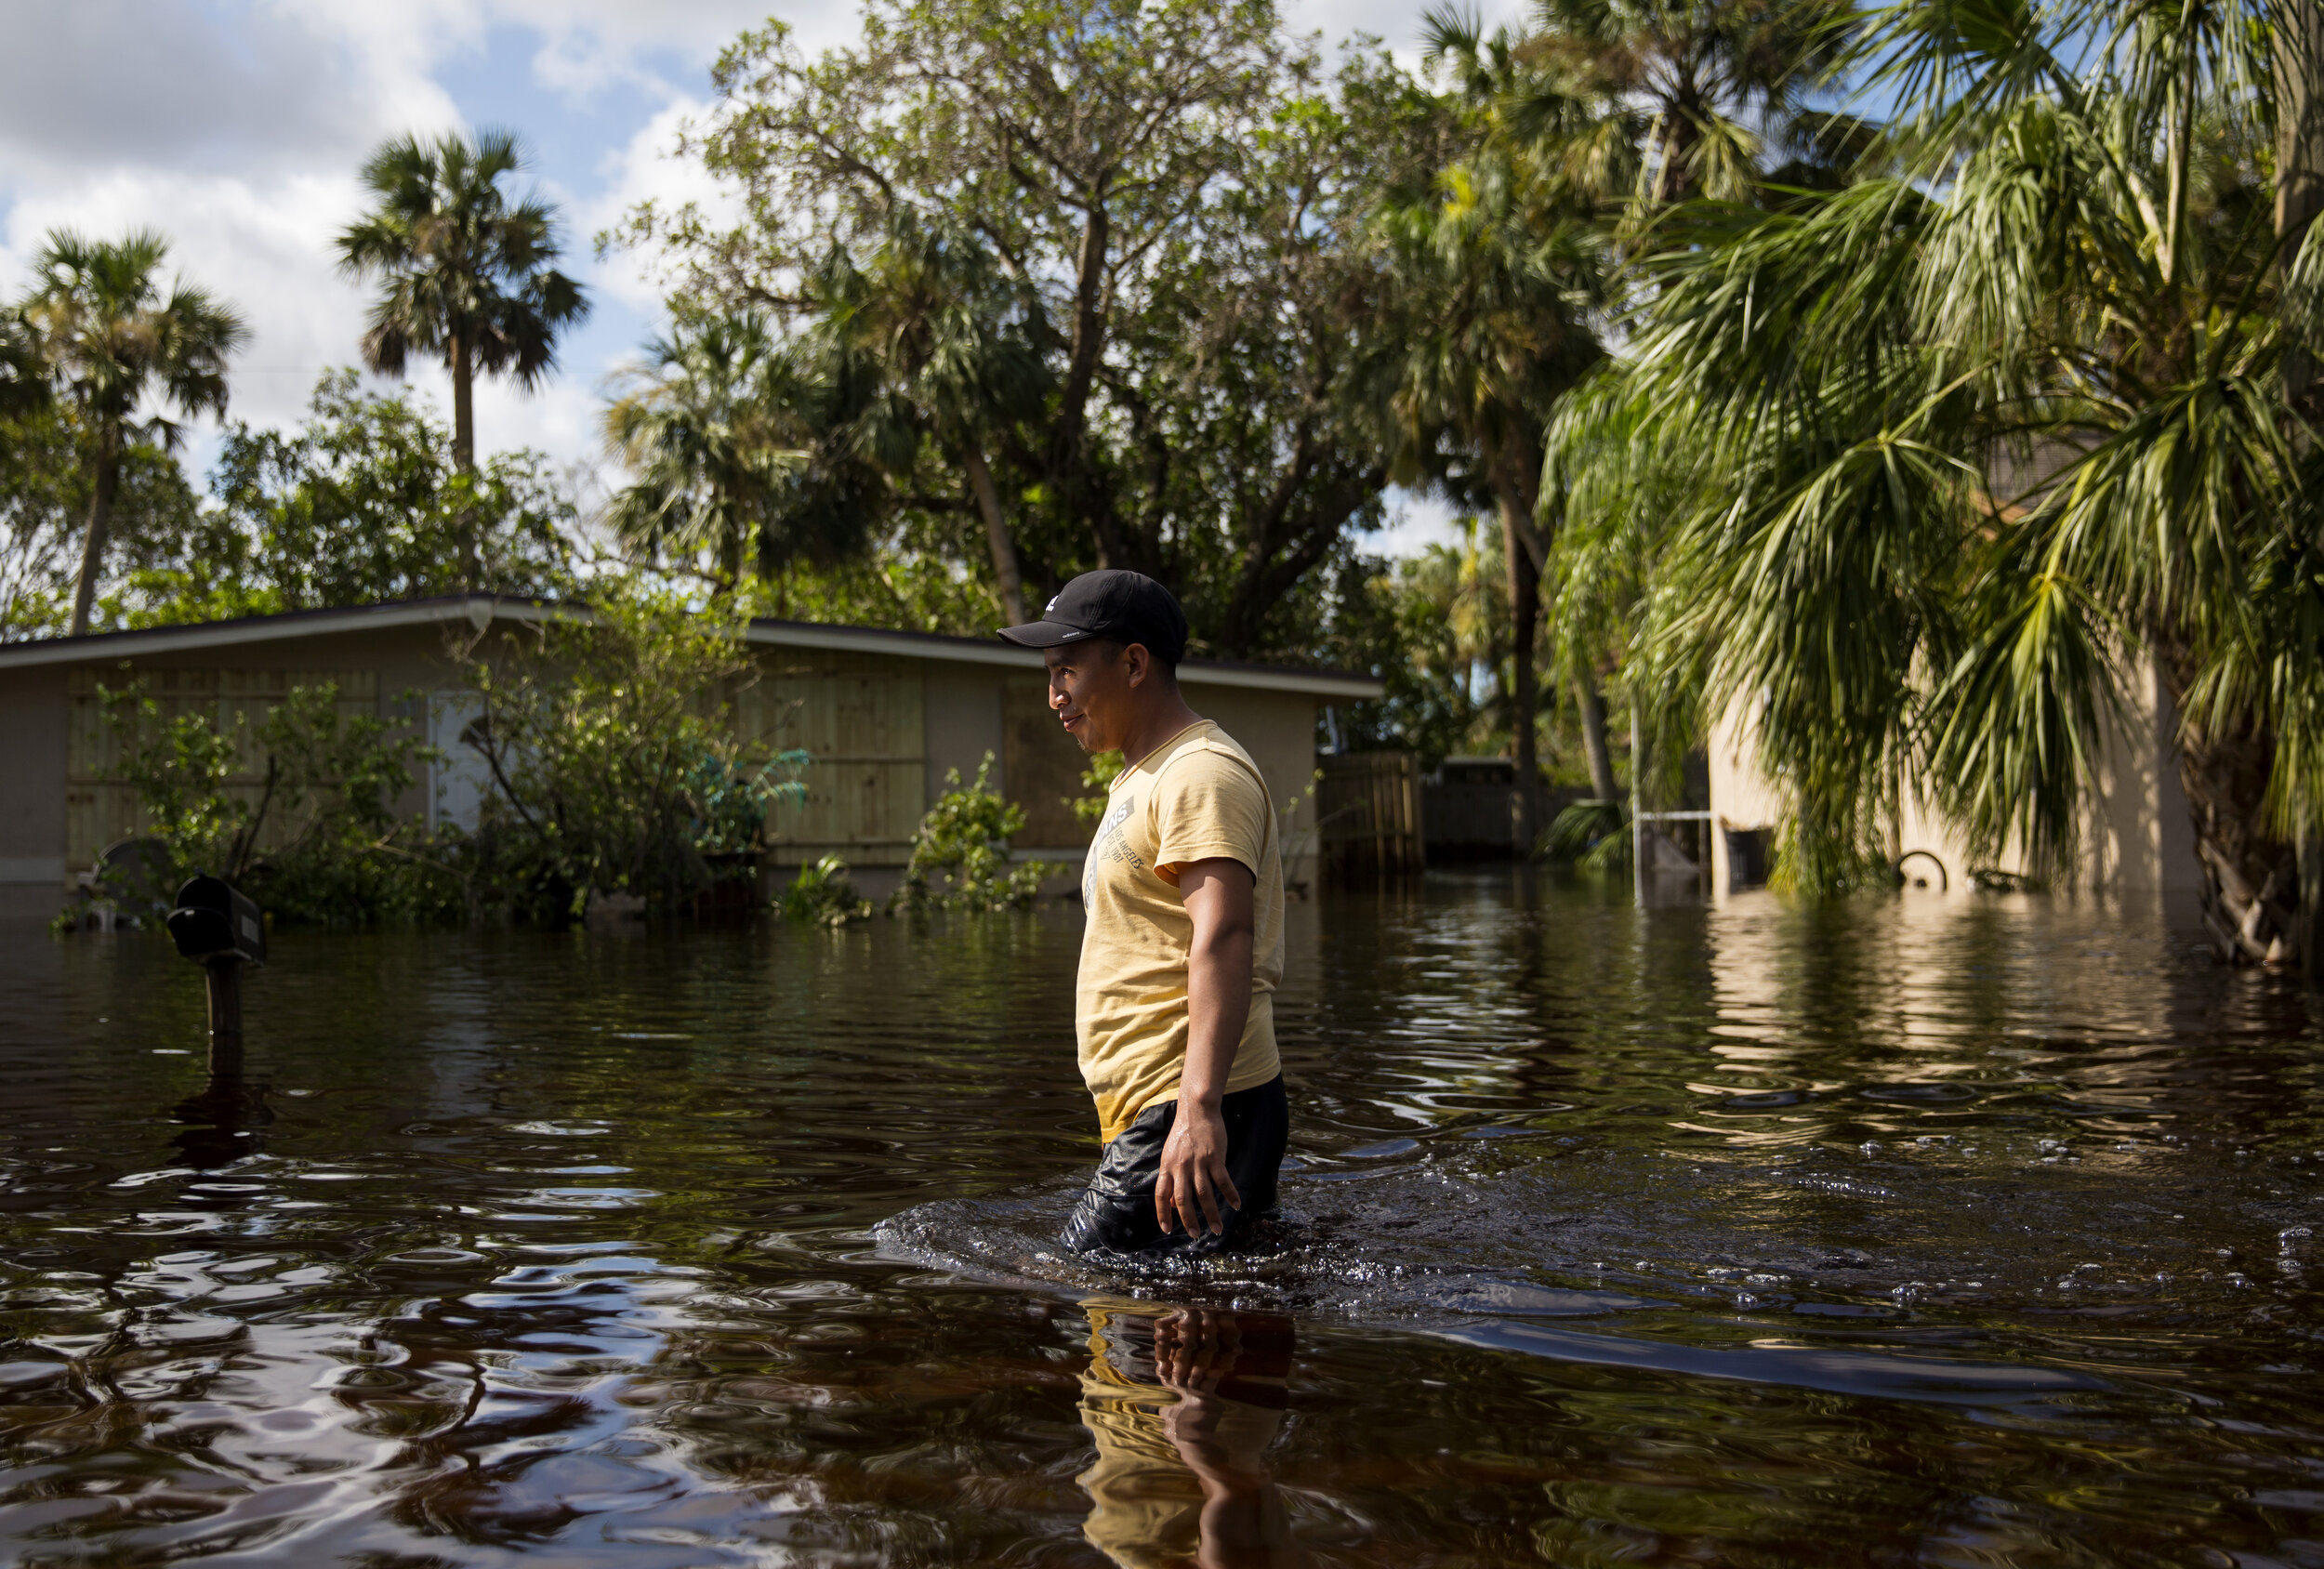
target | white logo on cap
[{"x": 1052, "y": 606}]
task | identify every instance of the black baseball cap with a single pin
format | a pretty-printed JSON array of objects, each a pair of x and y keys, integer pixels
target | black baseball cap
[{"x": 1127, "y": 607}]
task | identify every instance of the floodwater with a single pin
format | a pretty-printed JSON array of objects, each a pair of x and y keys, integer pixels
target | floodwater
[{"x": 1901, "y": 1231}]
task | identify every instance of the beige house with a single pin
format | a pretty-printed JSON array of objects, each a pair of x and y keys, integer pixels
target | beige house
[
  {"x": 884, "y": 716},
  {"x": 2137, "y": 837}
]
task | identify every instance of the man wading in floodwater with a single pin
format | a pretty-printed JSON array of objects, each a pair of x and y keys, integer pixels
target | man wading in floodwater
[{"x": 1183, "y": 891}]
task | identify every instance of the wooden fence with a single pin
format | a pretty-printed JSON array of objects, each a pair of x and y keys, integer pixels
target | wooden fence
[{"x": 1367, "y": 814}]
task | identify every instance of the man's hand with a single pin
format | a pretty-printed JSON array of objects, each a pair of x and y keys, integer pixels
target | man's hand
[
  {"x": 1193, "y": 1181},
  {"x": 1194, "y": 1351}
]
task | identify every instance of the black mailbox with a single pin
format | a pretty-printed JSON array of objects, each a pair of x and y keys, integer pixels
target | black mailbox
[{"x": 214, "y": 922}]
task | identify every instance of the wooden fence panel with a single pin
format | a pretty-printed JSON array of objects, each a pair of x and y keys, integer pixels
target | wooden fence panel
[
  {"x": 1367, "y": 807},
  {"x": 859, "y": 717}
]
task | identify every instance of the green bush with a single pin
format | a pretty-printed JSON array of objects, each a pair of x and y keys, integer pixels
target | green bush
[
  {"x": 1591, "y": 833},
  {"x": 824, "y": 893},
  {"x": 321, "y": 842},
  {"x": 960, "y": 851},
  {"x": 1090, "y": 809},
  {"x": 614, "y": 766}
]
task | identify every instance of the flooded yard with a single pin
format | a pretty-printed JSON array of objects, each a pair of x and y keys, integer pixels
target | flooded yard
[{"x": 1900, "y": 1230}]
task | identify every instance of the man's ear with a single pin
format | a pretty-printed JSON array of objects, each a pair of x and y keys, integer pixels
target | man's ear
[{"x": 1137, "y": 663}]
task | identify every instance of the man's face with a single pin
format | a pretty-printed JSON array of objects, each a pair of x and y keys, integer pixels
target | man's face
[{"x": 1091, "y": 691}]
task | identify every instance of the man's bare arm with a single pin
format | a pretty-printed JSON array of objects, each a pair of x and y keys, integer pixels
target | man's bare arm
[{"x": 1194, "y": 1183}]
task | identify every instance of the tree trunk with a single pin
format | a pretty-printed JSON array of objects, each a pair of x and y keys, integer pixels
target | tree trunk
[
  {"x": 2251, "y": 880},
  {"x": 1524, "y": 605},
  {"x": 1005, "y": 569},
  {"x": 463, "y": 453},
  {"x": 731, "y": 548},
  {"x": 100, "y": 512},
  {"x": 1069, "y": 448},
  {"x": 1594, "y": 744}
]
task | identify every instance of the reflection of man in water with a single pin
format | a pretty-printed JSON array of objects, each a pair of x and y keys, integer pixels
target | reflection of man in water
[
  {"x": 1182, "y": 1408},
  {"x": 1183, "y": 891}
]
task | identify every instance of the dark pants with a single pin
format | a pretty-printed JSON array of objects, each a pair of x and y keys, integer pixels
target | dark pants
[{"x": 1116, "y": 1211}]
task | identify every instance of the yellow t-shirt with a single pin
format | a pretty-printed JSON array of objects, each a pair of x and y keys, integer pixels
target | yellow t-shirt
[{"x": 1197, "y": 796}]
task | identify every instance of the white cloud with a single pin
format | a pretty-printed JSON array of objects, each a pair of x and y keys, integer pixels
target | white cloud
[
  {"x": 1416, "y": 521},
  {"x": 237, "y": 128}
]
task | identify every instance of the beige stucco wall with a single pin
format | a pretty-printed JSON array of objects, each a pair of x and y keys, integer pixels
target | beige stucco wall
[{"x": 2137, "y": 835}]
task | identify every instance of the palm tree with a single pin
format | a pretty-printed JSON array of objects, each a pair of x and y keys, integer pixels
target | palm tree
[
  {"x": 465, "y": 274},
  {"x": 1619, "y": 109},
  {"x": 1643, "y": 103},
  {"x": 707, "y": 430},
  {"x": 1495, "y": 275},
  {"x": 108, "y": 332},
  {"x": 1988, "y": 430}
]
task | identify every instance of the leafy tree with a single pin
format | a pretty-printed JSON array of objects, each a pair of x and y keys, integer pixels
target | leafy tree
[
  {"x": 1498, "y": 269},
  {"x": 961, "y": 850},
  {"x": 1103, "y": 252},
  {"x": 358, "y": 506},
  {"x": 320, "y": 840},
  {"x": 613, "y": 760},
  {"x": 109, "y": 335},
  {"x": 23, "y": 377},
  {"x": 465, "y": 274},
  {"x": 954, "y": 340},
  {"x": 46, "y": 458},
  {"x": 1638, "y": 104}
]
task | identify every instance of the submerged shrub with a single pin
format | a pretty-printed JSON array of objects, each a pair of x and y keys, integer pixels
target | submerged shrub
[
  {"x": 1591, "y": 833},
  {"x": 612, "y": 749},
  {"x": 317, "y": 840},
  {"x": 960, "y": 851},
  {"x": 824, "y": 894}
]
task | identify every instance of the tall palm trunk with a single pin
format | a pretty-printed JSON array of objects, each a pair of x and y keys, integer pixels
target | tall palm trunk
[
  {"x": 1524, "y": 612},
  {"x": 100, "y": 512},
  {"x": 463, "y": 453},
  {"x": 1005, "y": 571}
]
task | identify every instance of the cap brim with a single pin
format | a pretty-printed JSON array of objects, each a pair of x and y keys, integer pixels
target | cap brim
[{"x": 1044, "y": 634}]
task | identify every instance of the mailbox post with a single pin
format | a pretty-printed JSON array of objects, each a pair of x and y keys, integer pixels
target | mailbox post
[{"x": 219, "y": 929}]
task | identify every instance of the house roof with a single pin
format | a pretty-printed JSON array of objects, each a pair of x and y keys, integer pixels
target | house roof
[{"x": 480, "y": 610}]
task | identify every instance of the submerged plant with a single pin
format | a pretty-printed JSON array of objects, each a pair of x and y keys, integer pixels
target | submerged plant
[
  {"x": 960, "y": 852},
  {"x": 315, "y": 838},
  {"x": 824, "y": 894},
  {"x": 614, "y": 763}
]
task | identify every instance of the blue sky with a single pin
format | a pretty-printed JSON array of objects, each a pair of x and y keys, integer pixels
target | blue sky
[{"x": 237, "y": 127}]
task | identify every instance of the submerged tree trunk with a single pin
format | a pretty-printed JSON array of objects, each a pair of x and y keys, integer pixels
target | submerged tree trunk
[
  {"x": 2251, "y": 878},
  {"x": 100, "y": 512},
  {"x": 1594, "y": 750},
  {"x": 1006, "y": 573}
]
